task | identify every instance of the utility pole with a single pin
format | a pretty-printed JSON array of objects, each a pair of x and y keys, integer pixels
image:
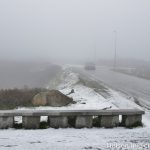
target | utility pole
[
  {"x": 115, "y": 50},
  {"x": 95, "y": 52}
]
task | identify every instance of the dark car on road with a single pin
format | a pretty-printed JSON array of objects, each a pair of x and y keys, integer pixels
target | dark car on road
[{"x": 90, "y": 66}]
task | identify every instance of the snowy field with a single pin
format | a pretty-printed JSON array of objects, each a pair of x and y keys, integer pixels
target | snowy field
[
  {"x": 80, "y": 139},
  {"x": 73, "y": 139}
]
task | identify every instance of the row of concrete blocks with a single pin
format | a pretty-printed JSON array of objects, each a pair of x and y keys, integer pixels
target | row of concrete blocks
[{"x": 33, "y": 122}]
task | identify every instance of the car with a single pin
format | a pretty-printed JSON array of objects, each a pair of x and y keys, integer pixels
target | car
[{"x": 90, "y": 66}]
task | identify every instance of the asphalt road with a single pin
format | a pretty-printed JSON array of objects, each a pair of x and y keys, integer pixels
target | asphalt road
[{"x": 133, "y": 86}]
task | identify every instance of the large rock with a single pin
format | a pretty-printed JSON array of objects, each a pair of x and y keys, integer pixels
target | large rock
[
  {"x": 51, "y": 98},
  {"x": 40, "y": 99}
]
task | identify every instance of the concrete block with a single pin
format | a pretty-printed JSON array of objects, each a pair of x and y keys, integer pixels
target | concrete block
[
  {"x": 109, "y": 121},
  {"x": 29, "y": 122},
  {"x": 83, "y": 122},
  {"x": 131, "y": 120},
  {"x": 6, "y": 122},
  {"x": 58, "y": 122}
]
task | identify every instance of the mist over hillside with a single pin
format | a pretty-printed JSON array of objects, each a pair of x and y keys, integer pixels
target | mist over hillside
[{"x": 15, "y": 74}]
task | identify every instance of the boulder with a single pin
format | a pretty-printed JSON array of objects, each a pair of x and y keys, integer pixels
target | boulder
[
  {"x": 52, "y": 98},
  {"x": 40, "y": 99}
]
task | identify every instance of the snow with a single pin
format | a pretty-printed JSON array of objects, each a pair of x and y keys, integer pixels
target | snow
[
  {"x": 85, "y": 97},
  {"x": 71, "y": 139},
  {"x": 121, "y": 101},
  {"x": 80, "y": 139}
]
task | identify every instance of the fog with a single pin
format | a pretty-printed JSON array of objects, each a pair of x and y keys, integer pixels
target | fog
[{"x": 69, "y": 30}]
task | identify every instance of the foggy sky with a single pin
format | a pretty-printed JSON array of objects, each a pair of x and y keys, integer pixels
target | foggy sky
[{"x": 73, "y": 29}]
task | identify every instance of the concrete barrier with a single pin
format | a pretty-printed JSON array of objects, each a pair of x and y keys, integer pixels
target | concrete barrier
[
  {"x": 6, "y": 122},
  {"x": 131, "y": 120},
  {"x": 82, "y": 118},
  {"x": 83, "y": 122},
  {"x": 109, "y": 121},
  {"x": 58, "y": 122},
  {"x": 30, "y": 122}
]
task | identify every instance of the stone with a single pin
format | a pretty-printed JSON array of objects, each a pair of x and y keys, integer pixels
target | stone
[
  {"x": 6, "y": 122},
  {"x": 71, "y": 92},
  {"x": 83, "y": 122},
  {"x": 52, "y": 98},
  {"x": 131, "y": 120},
  {"x": 58, "y": 122},
  {"x": 40, "y": 99},
  {"x": 30, "y": 122},
  {"x": 109, "y": 121}
]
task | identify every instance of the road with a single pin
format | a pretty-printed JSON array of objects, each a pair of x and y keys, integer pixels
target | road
[{"x": 136, "y": 87}]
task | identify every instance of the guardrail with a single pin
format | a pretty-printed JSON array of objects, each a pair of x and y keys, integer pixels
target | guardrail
[{"x": 73, "y": 118}]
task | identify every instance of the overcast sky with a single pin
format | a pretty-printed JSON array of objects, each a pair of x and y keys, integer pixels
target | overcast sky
[{"x": 73, "y": 29}]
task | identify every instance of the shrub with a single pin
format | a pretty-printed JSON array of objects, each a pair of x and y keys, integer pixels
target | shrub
[{"x": 12, "y": 98}]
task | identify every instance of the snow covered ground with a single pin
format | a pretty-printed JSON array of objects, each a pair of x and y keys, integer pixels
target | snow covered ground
[
  {"x": 74, "y": 139},
  {"x": 81, "y": 139}
]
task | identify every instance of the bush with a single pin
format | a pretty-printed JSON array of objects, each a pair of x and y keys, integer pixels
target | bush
[
  {"x": 96, "y": 121},
  {"x": 12, "y": 98},
  {"x": 44, "y": 125}
]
